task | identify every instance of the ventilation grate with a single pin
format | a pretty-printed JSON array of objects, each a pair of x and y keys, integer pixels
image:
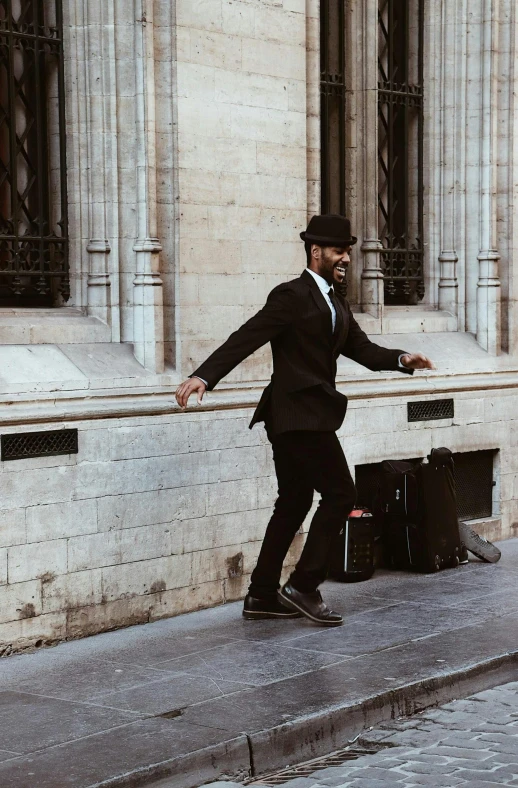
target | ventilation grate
[
  {"x": 22, "y": 445},
  {"x": 473, "y": 482},
  {"x": 430, "y": 410},
  {"x": 307, "y": 769}
]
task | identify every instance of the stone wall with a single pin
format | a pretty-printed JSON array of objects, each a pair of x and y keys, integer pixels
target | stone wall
[
  {"x": 193, "y": 154},
  {"x": 241, "y": 85},
  {"x": 160, "y": 515}
]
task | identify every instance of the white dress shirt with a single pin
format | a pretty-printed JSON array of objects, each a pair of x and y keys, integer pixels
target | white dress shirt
[{"x": 324, "y": 288}]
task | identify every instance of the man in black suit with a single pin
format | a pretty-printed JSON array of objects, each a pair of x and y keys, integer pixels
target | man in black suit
[{"x": 308, "y": 327}]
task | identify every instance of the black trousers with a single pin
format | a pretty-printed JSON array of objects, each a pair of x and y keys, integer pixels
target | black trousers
[{"x": 305, "y": 461}]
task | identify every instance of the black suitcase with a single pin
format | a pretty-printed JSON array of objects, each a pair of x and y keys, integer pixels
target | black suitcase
[
  {"x": 352, "y": 558},
  {"x": 420, "y": 526}
]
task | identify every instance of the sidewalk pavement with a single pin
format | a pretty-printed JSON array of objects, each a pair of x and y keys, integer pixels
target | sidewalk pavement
[{"x": 207, "y": 695}]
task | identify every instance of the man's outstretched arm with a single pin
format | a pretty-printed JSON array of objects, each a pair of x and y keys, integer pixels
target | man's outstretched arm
[
  {"x": 279, "y": 311},
  {"x": 359, "y": 348}
]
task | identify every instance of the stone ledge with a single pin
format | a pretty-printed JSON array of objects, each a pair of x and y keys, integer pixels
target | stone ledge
[
  {"x": 407, "y": 320},
  {"x": 66, "y": 325},
  {"x": 145, "y": 400}
]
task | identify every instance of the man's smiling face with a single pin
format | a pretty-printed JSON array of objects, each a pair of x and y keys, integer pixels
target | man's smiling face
[{"x": 330, "y": 262}]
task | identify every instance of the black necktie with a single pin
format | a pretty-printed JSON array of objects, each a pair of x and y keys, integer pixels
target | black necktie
[{"x": 331, "y": 294}]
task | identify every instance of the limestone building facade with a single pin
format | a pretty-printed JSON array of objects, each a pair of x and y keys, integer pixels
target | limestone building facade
[{"x": 158, "y": 159}]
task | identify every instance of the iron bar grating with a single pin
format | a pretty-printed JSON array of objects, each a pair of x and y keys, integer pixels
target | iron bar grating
[
  {"x": 307, "y": 769},
  {"x": 474, "y": 482},
  {"x": 431, "y": 410},
  {"x": 400, "y": 148},
  {"x": 33, "y": 199},
  {"x": 333, "y": 92},
  {"x": 22, "y": 445}
]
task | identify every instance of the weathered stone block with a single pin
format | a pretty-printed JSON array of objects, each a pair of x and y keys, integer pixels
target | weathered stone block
[
  {"x": 221, "y": 155},
  {"x": 252, "y": 90},
  {"x": 276, "y": 59},
  {"x": 152, "y": 440},
  {"x": 89, "y": 620},
  {"x": 203, "y": 14},
  {"x": 198, "y": 117},
  {"x": 36, "y": 631},
  {"x": 218, "y": 50},
  {"x": 207, "y": 533},
  {"x": 280, "y": 158},
  {"x": 20, "y": 601},
  {"x": 219, "y": 257},
  {"x": 220, "y": 563},
  {"x": 266, "y": 491},
  {"x": 222, "y": 434},
  {"x": 280, "y": 225},
  {"x": 3, "y": 566},
  {"x": 268, "y": 125},
  {"x": 44, "y": 559},
  {"x": 74, "y": 590},
  {"x": 238, "y": 18},
  {"x": 194, "y": 220},
  {"x": 229, "y": 222},
  {"x": 12, "y": 527},
  {"x": 250, "y": 462},
  {"x": 146, "y": 577},
  {"x": 149, "y": 508},
  {"x": 233, "y": 496},
  {"x": 176, "y": 601},
  {"x": 59, "y": 520},
  {"x": 278, "y": 24},
  {"x": 274, "y": 257},
  {"x": 262, "y": 191},
  {"x": 209, "y": 188},
  {"x": 93, "y": 550}
]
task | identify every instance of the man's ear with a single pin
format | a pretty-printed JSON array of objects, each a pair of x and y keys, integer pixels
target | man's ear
[{"x": 315, "y": 251}]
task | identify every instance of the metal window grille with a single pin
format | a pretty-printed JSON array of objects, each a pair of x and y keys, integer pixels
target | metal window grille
[
  {"x": 332, "y": 105},
  {"x": 474, "y": 482},
  {"x": 433, "y": 409},
  {"x": 33, "y": 200},
  {"x": 400, "y": 148},
  {"x": 22, "y": 445}
]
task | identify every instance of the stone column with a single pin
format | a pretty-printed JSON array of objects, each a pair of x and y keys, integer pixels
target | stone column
[
  {"x": 372, "y": 276},
  {"x": 148, "y": 312},
  {"x": 97, "y": 91},
  {"x": 448, "y": 258},
  {"x": 488, "y": 285}
]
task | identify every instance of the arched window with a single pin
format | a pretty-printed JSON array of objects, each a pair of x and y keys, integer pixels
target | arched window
[
  {"x": 400, "y": 148},
  {"x": 33, "y": 204}
]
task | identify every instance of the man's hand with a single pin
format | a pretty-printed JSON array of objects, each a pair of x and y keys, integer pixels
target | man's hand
[
  {"x": 417, "y": 361},
  {"x": 188, "y": 387}
]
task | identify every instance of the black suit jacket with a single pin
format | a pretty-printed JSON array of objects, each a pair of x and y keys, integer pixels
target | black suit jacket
[{"x": 296, "y": 319}]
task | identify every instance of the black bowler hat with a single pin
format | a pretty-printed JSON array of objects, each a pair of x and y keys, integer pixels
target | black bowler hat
[{"x": 329, "y": 230}]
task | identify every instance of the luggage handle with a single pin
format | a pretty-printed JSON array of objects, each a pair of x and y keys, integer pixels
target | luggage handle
[{"x": 441, "y": 456}]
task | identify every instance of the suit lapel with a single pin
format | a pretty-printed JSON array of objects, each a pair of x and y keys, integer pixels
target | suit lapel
[
  {"x": 341, "y": 325},
  {"x": 319, "y": 299}
]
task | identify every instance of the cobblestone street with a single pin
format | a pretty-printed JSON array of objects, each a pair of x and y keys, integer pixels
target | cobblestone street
[{"x": 471, "y": 741}]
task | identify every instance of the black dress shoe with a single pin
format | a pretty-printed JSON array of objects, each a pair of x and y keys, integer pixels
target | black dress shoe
[
  {"x": 310, "y": 605},
  {"x": 267, "y": 608}
]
